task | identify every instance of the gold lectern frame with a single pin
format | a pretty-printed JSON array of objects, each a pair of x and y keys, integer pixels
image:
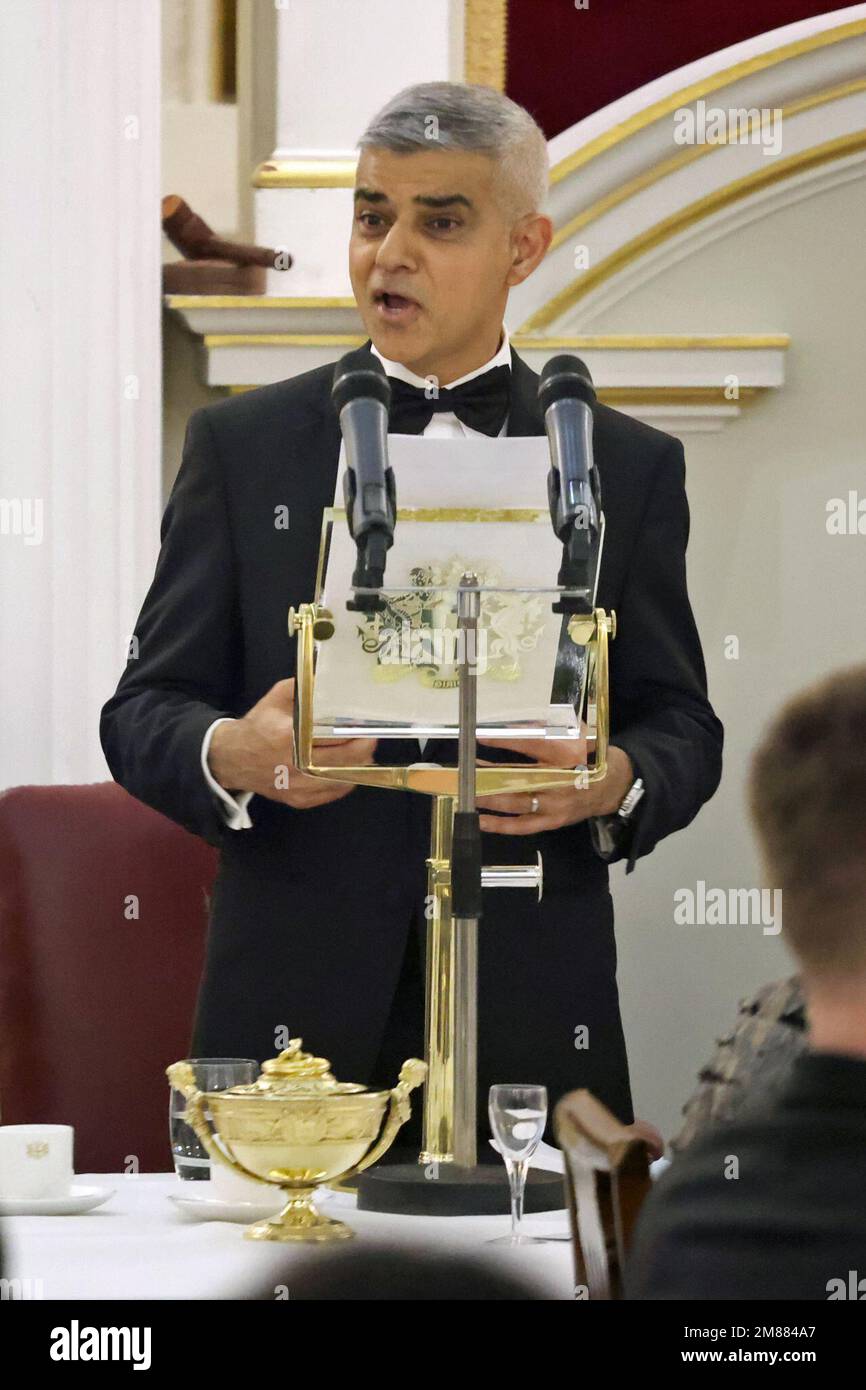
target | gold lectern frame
[{"x": 449, "y": 1131}]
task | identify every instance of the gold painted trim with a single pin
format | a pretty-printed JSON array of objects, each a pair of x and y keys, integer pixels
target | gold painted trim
[
  {"x": 675, "y": 395},
  {"x": 656, "y": 342},
  {"x": 305, "y": 173},
  {"x": 652, "y": 342},
  {"x": 224, "y": 340},
  {"x": 223, "y": 52},
  {"x": 683, "y": 159},
  {"x": 687, "y": 216},
  {"x": 497, "y": 514},
  {"x": 666, "y": 105},
  {"x": 820, "y": 98},
  {"x": 256, "y": 301},
  {"x": 485, "y": 42},
  {"x": 616, "y": 395},
  {"x": 558, "y": 342}
]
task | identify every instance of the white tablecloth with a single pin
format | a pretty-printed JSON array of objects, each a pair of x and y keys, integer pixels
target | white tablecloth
[{"x": 138, "y": 1246}]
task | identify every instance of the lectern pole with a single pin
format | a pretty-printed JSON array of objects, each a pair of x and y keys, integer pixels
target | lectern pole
[
  {"x": 438, "y": 1135},
  {"x": 454, "y": 882},
  {"x": 466, "y": 882}
]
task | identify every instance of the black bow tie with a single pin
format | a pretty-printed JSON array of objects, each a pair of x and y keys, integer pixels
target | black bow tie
[{"x": 481, "y": 403}]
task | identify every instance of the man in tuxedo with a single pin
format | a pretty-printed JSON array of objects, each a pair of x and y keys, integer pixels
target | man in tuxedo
[
  {"x": 317, "y": 919},
  {"x": 772, "y": 1203}
]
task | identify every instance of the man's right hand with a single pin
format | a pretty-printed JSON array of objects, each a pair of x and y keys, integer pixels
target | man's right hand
[{"x": 255, "y": 754}]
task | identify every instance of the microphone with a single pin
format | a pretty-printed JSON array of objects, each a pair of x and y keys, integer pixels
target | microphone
[
  {"x": 361, "y": 395},
  {"x": 567, "y": 397}
]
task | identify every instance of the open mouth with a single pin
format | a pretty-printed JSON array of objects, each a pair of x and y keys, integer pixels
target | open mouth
[{"x": 396, "y": 308}]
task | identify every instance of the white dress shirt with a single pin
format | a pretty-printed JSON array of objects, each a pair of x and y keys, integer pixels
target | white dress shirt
[{"x": 443, "y": 425}]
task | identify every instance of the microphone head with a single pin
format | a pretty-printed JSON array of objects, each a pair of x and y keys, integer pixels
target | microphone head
[
  {"x": 565, "y": 377},
  {"x": 354, "y": 380}
]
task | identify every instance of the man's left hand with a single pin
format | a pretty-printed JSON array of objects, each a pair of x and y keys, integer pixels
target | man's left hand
[{"x": 557, "y": 806}]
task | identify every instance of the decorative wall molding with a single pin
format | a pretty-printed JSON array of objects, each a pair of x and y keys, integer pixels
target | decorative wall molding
[
  {"x": 306, "y": 173},
  {"x": 710, "y": 76},
  {"x": 635, "y": 201},
  {"x": 681, "y": 382},
  {"x": 611, "y": 258},
  {"x": 230, "y": 313},
  {"x": 622, "y": 185}
]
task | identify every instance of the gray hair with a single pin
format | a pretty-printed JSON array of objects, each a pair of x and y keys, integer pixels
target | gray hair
[{"x": 464, "y": 116}]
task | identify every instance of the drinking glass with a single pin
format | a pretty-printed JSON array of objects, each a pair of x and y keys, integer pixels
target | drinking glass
[
  {"x": 518, "y": 1115},
  {"x": 191, "y": 1160}
]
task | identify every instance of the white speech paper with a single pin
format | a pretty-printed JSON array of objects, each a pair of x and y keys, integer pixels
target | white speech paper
[{"x": 397, "y": 671}]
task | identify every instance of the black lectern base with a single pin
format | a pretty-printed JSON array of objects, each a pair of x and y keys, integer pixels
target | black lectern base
[{"x": 415, "y": 1189}]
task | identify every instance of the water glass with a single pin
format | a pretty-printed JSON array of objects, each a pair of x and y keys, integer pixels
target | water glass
[{"x": 191, "y": 1160}]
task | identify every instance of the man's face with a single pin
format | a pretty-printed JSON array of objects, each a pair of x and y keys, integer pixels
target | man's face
[{"x": 432, "y": 257}]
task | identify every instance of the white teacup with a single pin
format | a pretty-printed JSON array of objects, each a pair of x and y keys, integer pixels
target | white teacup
[
  {"x": 228, "y": 1186},
  {"x": 35, "y": 1161}
]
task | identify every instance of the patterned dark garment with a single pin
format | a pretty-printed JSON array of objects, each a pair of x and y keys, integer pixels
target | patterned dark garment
[{"x": 751, "y": 1063}]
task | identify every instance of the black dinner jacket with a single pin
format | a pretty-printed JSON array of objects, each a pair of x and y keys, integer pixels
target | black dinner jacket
[
  {"x": 212, "y": 634},
  {"x": 311, "y": 909},
  {"x": 788, "y": 1222}
]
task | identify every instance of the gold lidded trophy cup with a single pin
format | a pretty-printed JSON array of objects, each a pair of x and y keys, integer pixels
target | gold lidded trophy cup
[{"x": 296, "y": 1127}]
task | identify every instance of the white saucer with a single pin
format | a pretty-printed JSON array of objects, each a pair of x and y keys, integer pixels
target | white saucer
[
  {"x": 217, "y": 1209},
  {"x": 73, "y": 1203}
]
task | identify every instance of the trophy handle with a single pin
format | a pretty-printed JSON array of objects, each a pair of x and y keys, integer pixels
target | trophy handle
[
  {"x": 412, "y": 1073},
  {"x": 182, "y": 1078}
]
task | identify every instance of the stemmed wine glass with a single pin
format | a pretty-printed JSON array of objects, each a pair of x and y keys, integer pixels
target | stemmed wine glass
[{"x": 518, "y": 1115}]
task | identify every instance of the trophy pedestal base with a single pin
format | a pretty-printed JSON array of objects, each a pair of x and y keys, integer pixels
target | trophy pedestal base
[{"x": 418, "y": 1189}]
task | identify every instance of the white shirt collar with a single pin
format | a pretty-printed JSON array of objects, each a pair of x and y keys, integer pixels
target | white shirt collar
[{"x": 502, "y": 358}]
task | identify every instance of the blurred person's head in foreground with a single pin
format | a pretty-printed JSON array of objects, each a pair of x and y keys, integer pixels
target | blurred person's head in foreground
[
  {"x": 772, "y": 1204},
  {"x": 807, "y": 796},
  {"x": 367, "y": 1270}
]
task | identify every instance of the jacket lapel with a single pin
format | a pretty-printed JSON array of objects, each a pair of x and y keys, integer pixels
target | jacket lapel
[{"x": 524, "y": 416}]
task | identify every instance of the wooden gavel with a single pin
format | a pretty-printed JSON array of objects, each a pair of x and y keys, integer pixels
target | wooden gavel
[{"x": 195, "y": 240}]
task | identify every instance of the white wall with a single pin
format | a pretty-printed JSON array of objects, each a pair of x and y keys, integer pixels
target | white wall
[
  {"x": 79, "y": 367},
  {"x": 761, "y": 566}
]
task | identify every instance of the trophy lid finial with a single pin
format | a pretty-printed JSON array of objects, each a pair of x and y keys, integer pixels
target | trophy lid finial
[{"x": 293, "y": 1064}]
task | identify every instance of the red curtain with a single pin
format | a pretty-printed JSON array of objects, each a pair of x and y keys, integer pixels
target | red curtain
[{"x": 564, "y": 63}]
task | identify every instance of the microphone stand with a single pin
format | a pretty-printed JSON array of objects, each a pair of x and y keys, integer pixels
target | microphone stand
[
  {"x": 567, "y": 398},
  {"x": 361, "y": 395},
  {"x": 371, "y": 509},
  {"x": 574, "y": 512}
]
